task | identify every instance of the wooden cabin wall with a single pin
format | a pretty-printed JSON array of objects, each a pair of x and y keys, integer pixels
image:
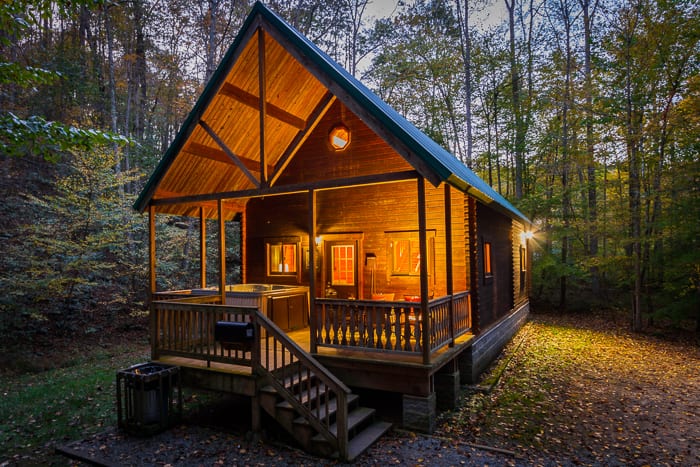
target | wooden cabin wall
[
  {"x": 375, "y": 213},
  {"x": 272, "y": 218},
  {"x": 495, "y": 291},
  {"x": 378, "y": 212},
  {"x": 460, "y": 242},
  {"x": 367, "y": 153}
]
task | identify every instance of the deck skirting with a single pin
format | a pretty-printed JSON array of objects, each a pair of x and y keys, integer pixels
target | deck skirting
[{"x": 487, "y": 346}]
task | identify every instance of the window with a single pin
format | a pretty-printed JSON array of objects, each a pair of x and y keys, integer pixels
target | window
[
  {"x": 282, "y": 259},
  {"x": 487, "y": 259},
  {"x": 343, "y": 265},
  {"x": 404, "y": 250}
]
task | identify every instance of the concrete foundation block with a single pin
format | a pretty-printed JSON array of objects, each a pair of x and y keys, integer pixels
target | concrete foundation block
[
  {"x": 447, "y": 387},
  {"x": 419, "y": 413}
]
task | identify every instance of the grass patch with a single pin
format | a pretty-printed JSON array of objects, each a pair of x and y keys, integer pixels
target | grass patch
[{"x": 38, "y": 411}]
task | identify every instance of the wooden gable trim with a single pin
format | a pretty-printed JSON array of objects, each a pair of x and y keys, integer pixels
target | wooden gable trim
[
  {"x": 302, "y": 136},
  {"x": 252, "y": 101},
  {"x": 235, "y": 158},
  {"x": 262, "y": 103}
]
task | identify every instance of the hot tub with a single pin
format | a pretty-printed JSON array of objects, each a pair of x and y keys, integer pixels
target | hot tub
[{"x": 286, "y": 305}]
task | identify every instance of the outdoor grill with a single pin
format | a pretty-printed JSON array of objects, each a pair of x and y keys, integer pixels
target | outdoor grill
[{"x": 145, "y": 397}]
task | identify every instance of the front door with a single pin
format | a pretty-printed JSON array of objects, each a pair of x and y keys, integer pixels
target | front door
[{"x": 341, "y": 269}]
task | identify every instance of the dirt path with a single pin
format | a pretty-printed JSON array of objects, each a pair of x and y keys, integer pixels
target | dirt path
[{"x": 572, "y": 390}]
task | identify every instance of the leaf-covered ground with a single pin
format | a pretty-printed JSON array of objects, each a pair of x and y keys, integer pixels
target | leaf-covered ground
[
  {"x": 568, "y": 390},
  {"x": 581, "y": 390}
]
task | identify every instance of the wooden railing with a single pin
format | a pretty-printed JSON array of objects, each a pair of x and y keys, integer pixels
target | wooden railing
[
  {"x": 390, "y": 326},
  {"x": 305, "y": 384},
  {"x": 184, "y": 327}
]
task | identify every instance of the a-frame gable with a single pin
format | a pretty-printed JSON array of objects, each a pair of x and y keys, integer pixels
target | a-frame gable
[{"x": 268, "y": 94}]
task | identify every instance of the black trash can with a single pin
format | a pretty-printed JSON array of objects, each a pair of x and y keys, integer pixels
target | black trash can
[{"x": 146, "y": 402}]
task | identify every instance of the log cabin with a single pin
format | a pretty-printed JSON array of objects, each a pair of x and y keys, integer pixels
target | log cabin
[{"x": 372, "y": 258}]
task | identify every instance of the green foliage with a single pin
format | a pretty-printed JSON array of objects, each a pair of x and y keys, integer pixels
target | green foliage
[
  {"x": 79, "y": 254},
  {"x": 50, "y": 140}
]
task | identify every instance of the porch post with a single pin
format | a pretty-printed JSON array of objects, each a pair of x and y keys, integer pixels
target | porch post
[
  {"x": 153, "y": 320},
  {"x": 312, "y": 270},
  {"x": 222, "y": 251},
  {"x": 202, "y": 249},
  {"x": 152, "y": 250},
  {"x": 423, "y": 245},
  {"x": 448, "y": 258}
]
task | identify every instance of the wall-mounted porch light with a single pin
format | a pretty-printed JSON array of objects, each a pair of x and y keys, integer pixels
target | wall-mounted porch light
[
  {"x": 339, "y": 137},
  {"x": 526, "y": 236}
]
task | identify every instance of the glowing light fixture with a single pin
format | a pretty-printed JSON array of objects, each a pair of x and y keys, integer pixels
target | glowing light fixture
[
  {"x": 339, "y": 137},
  {"x": 526, "y": 236}
]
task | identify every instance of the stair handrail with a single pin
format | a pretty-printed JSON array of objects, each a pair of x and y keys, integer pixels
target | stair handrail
[{"x": 340, "y": 440}]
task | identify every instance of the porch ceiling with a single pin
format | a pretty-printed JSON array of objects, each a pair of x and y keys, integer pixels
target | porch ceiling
[{"x": 222, "y": 152}]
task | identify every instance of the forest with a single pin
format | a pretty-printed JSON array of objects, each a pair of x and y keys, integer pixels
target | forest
[{"x": 583, "y": 113}]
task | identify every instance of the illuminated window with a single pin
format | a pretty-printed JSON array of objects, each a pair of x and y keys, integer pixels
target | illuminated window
[
  {"x": 404, "y": 249},
  {"x": 339, "y": 137},
  {"x": 487, "y": 259},
  {"x": 282, "y": 258},
  {"x": 343, "y": 265}
]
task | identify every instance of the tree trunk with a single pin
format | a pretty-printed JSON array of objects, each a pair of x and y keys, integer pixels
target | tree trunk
[
  {"x": 592, "y": 218},
  {"x": 519, "y": 138},
  {"x": 466, "y": 46}
]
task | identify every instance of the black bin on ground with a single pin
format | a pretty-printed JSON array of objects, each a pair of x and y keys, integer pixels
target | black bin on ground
[
  {"x": 234, "y": 335},
  {"x": 146, "y": 402}
]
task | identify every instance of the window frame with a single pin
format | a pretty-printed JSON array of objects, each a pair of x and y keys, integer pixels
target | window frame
[
  {"x": 349, "y": 268},
  {"x": 413, "y": 239},
  {"x": 278, "y": 269}
]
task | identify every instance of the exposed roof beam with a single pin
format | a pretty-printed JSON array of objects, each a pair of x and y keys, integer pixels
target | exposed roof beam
[
  {"x": 302, "y": 135},
  {"x": 207, "y": 152},
  {"x": 232, "y": 205},
  {"x": 252, "y": 101},
  {"x": 236, "y": 159},
  {"x": 295, "y": 188}
]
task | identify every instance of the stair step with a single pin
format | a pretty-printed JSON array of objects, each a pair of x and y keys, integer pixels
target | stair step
[
  {"x": 355, "y": 418},
  {"x": 366, "y": 438},
  {"x": 289, "y": 382},
  {"x": 331, "y": 406},
  {"x": 307, "y": 396}
]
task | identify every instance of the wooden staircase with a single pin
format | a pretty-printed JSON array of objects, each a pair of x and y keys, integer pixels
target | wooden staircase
[
  {"x": 309, "y": 402},
  {"x": 361, "y": 427}
]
